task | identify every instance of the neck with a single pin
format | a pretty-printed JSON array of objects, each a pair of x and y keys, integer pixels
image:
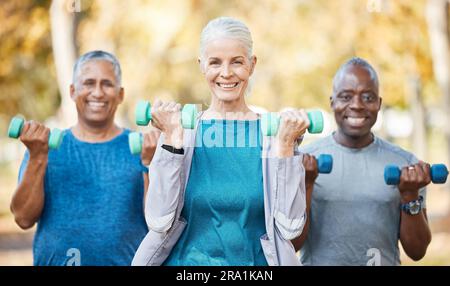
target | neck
[
  {"x": 95, "y": 133},
  {"x": 231, "y": 110},
  {"x": 353, "y": 141}
]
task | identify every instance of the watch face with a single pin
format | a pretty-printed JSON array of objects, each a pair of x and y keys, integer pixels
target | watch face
[{"x": 414, "y": 207}]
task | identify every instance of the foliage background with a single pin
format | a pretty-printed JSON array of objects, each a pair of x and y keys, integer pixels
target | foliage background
[{"x": 299, "y": 45}]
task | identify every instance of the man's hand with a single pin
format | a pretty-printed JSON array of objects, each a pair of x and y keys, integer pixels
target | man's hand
[
  {"x": 34, "y": 136},
  {"x": 150, "y": 141},
  {"x": 311, "y": 169},
  {"x": 412, "y": 179}
]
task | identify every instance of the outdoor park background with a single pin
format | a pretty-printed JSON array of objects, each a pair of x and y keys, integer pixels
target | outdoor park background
[{"x": 299, "y": 44}]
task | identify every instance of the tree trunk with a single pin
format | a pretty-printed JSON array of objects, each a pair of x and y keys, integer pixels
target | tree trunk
[
  {"x": 419, "y": 134},
  {"x": 438, "y": 21},
  {"x": 63, "y": 27}
]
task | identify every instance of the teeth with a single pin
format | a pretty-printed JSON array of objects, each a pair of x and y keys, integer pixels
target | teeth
[
  {"x": 96, "y": 104},
  {"x": 355, "y": 120},
  {"x": 227, "y": 85}
]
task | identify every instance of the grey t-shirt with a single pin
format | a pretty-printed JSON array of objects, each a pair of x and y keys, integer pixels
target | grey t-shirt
[{"x": 355, "y": 216}]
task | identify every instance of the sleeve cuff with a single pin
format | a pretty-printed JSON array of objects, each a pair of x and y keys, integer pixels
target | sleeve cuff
[
  {"x": 289, "y": 228},
  {"x": 160, "y": 224}
]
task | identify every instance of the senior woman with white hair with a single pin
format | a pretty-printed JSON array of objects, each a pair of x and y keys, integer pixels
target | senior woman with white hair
[{"x": 221, "y": 194}]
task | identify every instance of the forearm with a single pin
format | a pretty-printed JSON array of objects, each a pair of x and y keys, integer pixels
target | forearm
[
  {"x": 299, "y": 241},
  {"x": 28, "y": 200},
  {"x": 165, "y": 183},
  {"x": 285, "y": 150},
  {"x": 146, "y": 183},
  {"x": 415, "y": 234},
  {"x": 174, "y": 138},
  {"x": 287, "y": 183}
]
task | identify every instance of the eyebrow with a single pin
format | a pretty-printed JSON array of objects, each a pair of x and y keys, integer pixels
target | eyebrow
[
  {"x": 364, "y": 90},
  {"x": 345, "y": 90},
  {"x": 101, "y": 80},
  {"x": 233, "y": 58}
]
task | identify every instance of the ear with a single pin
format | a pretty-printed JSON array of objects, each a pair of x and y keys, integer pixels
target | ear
[
  {"x": 121, "y": 94},
  {"x": 254, "y": 60},
  {"x": 379, "y": 106},
  {"x": 202, "y": 69},
  {"x": 72, "y": 92},
  {"x": 332, "y": 101}
]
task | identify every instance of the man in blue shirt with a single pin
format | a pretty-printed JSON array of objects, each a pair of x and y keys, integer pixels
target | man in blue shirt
[{"x": 87, "y": 196}]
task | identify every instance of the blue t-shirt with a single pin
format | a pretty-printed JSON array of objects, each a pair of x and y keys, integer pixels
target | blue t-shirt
[
  {"x": 224, "y": 198},
  {"x": 93, "y": 212}
]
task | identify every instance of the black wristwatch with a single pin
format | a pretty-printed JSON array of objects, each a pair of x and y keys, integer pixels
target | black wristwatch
[
  {"x": 413, "y": 207},
  {"x": 173, "y": 150}
]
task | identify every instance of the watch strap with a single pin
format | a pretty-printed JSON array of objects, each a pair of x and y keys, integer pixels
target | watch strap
[
  {"x": 406, "y": 207},
  {"x": 173, "y": 150}
]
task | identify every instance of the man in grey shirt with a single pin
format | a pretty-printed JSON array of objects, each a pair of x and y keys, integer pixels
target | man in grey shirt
[{"x": 355, "y": 218}]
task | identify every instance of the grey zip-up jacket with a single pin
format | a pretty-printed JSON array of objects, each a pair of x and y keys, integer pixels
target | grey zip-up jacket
[{"x": 284, "y": 203}]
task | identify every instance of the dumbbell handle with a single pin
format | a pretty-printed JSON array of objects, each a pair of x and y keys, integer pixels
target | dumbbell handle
[{"x": 438, "y": 173}]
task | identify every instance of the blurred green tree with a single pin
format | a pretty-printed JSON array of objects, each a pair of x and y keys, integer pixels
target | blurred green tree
[{"x": 27, "y": 75}]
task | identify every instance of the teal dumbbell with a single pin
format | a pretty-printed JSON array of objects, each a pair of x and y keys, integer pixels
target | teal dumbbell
[
  {"x": 325, "y": 163},
  {"x": 15, "y": 129},
  {"x": 135, "y": 141},
  {"x": 144, "y": 115},
  {"x": 271, "y": 121},
  {"x": 438, "y": 173}
]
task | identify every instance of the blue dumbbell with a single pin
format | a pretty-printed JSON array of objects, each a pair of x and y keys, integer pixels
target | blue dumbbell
[
  {"x": 438, "y": 174},
  {"x": 325, "y": 163}
]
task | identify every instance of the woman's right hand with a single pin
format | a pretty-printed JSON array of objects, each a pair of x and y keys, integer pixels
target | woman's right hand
[
  {"x": 34, "y": 136},
  {"x": 166, "y": 116}
]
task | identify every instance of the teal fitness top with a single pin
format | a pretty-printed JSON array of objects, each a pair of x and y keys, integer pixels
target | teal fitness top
[{"x": 224, "y": 198}]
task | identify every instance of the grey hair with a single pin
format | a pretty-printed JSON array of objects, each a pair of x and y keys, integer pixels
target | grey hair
[
  {"x": 96, "y": 56},
  {"x": 355, "y": 61},
  {"x": 226, "y": 27}
]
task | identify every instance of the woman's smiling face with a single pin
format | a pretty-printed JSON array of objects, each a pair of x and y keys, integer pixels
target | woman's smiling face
[{"x": 227, "y": 68}]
